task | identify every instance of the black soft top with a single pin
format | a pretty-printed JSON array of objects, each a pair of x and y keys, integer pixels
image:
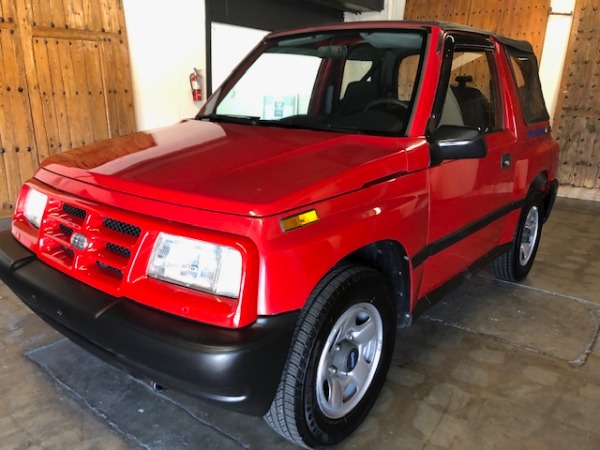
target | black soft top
[{"x": 521, "y": 45}]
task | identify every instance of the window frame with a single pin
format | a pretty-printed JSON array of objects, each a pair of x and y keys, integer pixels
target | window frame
[
  {"x": 465, "y": 42},
  {"x": 528, "y": 115}
]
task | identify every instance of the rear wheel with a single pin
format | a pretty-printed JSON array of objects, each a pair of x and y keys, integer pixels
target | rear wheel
[
  {"x": 515, "y": 264},
  {"x": 339, "y": 358}
]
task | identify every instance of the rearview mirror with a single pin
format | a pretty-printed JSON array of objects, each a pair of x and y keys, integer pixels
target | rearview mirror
[{"x": 332, "y": 51}]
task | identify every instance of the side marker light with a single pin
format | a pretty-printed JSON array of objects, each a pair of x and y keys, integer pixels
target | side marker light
[{"x": 299, "y": 220}]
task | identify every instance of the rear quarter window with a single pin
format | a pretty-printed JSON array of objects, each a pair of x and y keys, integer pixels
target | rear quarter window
[{"x": 525, "y": 72}]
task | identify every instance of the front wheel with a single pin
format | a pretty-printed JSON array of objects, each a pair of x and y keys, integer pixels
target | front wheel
[
  {"x": 339, "y": 358},
  {"x": 515, "y": 264}
]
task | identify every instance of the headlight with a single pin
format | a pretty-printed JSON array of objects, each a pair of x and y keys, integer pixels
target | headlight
[
  {"x": 196, "y": 264},
  {"x": 34, "y": 206}
]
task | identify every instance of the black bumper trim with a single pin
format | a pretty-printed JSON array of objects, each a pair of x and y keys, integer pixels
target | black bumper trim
[{"x": 237, "y": 369}]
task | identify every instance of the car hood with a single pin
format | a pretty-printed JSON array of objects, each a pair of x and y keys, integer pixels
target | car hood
[{"x": 239, "y": 169}]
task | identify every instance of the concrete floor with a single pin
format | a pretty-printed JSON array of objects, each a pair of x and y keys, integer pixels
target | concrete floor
[{"x": 493, "y": 365}]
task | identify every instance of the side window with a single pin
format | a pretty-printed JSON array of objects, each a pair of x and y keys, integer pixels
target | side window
[
  {"x": 471, "y": 98},
  {"x": 525, "y": 72}
]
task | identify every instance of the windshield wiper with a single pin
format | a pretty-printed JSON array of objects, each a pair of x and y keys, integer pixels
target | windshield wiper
[
  {"x": 298, "y": 124},
  {"x": 253, "y": 120},
  {"x": 315, "y": 125},
  {"x": 282, "y": 124}
]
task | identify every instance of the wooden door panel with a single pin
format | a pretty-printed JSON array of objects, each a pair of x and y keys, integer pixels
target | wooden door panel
[
  {"x": 577, "y": 119},
  {"x": 66, "y": 65},
  {"x": 16, "y": 127},
  {"x": 59, "y": 99},
  {"x": 95, "y": 89},
  {"x": 512, "y": 18},
  {"x": 47, "y": 145},
  {"x": 118, "y": 85}
]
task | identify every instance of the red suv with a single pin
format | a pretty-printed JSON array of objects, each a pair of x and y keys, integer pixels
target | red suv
[{"x": 262, "y": 255}]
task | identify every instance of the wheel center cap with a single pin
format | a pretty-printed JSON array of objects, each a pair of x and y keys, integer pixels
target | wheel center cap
[{"x": 352, "y": 359}]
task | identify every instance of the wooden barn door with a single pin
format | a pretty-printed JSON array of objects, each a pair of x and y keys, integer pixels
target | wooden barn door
[
  {"x": 18, "y": 150},
  {"x": 577, "y": 121},
  {"x": 512, "y": 18},
  {"x": 64, "y": 81}
]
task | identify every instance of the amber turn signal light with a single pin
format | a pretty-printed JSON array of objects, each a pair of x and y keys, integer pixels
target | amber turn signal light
[{"x": 299, "y": 220}]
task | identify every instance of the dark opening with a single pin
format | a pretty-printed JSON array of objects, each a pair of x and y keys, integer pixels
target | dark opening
[{"x": 273, "y": 15}]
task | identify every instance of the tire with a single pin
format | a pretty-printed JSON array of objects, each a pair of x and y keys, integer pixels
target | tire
[
  {"x": 340, "y": 355},
  {"x": 515, "y": 264}
]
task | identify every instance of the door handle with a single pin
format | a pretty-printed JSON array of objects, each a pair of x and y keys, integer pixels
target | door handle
[{"x": 505, "y": 161}]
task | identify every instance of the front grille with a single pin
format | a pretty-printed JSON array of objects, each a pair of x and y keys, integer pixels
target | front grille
[
  {"x": 68, "y": 252},
  {"x": 111, "y": 241},
  {"x": 74, "y": 211},
  {"x": 122, "y": 227},
  {"x": 109, "y": 270},
  {"x": 117, "y": 249},
  {"x": 67, "y": 231}
]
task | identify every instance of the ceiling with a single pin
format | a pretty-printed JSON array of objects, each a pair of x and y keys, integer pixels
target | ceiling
[{"x": 355, "y": 6}]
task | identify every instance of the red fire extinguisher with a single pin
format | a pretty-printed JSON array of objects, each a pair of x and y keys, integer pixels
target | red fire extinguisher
[{"x": 196, "y": 85}]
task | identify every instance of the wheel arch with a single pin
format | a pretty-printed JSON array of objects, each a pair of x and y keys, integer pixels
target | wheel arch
[
  {"x": 539, "y": 181},
  {"x": 524, "y": 188},
  {"x": 548, "y": 190},
  {"x": 390, "y": 258}
]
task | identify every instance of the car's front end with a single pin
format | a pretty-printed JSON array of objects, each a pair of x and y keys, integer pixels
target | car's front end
[{"x": 185, "y": 254}]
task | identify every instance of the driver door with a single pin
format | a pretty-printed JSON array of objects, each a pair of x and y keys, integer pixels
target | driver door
[{"x": 469, "y": 198}]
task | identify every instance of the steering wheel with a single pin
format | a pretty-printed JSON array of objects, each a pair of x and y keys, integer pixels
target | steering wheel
[{"x": 387, "y": 102}]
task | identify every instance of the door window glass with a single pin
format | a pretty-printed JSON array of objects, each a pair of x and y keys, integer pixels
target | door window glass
[{"x": 471, "y": 98}]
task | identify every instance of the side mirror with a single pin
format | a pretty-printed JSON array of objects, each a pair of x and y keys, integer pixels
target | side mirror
[{"x": 455, "y": 142}]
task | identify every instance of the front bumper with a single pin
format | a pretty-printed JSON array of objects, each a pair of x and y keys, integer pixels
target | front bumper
[{"x": 238, "y": 369}]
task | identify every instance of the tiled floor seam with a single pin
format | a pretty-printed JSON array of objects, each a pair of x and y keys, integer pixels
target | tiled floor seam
[
  {"x": 577, "y": 362},
  {"x": 583, "y": 301},
  {"x": 196, "y": 418}
]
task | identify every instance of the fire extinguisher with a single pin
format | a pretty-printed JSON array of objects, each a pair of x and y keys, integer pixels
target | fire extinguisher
[{"x": 196, "y": 85}]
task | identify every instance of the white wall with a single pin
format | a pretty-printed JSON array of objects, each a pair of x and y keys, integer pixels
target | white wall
[
  {"x": 555, "y": 51},
  {"x": 230, "y": 44},
  {"x": 166, "y": 41},
  {"x": 392, "y": 10}
]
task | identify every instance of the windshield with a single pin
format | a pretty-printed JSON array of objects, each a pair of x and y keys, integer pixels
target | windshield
[{"x": 355, "y": 81}]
